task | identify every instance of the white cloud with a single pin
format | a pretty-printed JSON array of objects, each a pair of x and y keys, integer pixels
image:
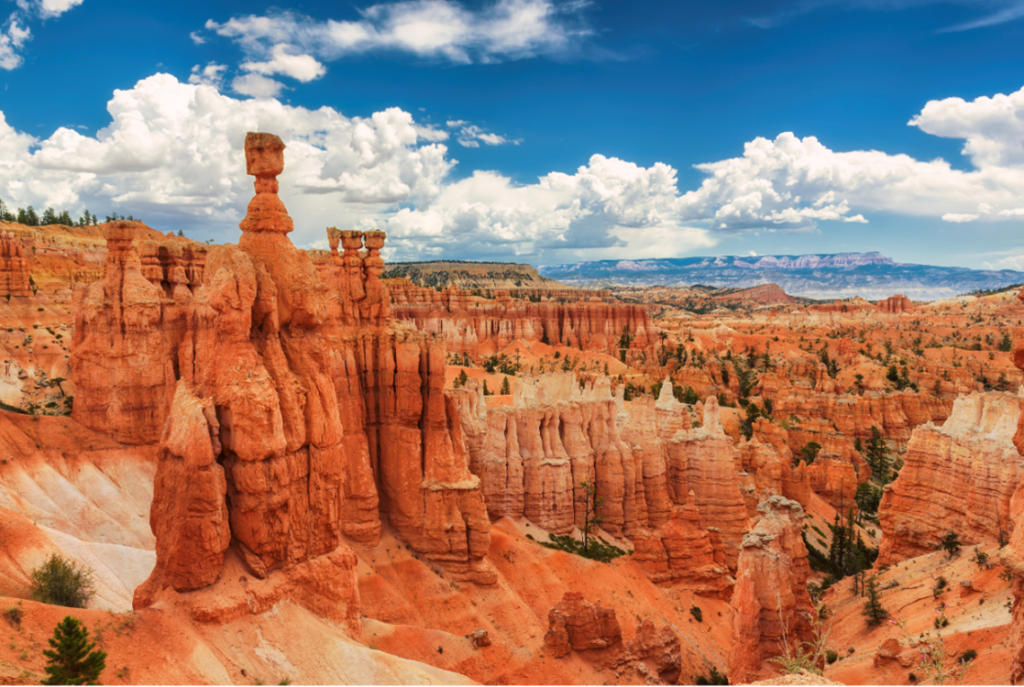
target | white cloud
[
  {"x": 10, "y": 41},
  {"x": 256, "y": 86},
  {"x": 172, "y": 155},
  {"x": 210, "y": 75},
  {"x": 197, "y": 38},
  {"x": 17, "y": 32},
  {"x": 438, "y": 29},
  {"x": 992, "y": 128},
  {"x": 1010, "y": 262},
  {"x": 303, "y": 68},
  {"x": 608, "y": 208},
  {"x": 55, "y": 8},
  {"x": 789, "y": 183},
  {"x": 470, "y": 135},
  {"x": 959, "y": 217}
]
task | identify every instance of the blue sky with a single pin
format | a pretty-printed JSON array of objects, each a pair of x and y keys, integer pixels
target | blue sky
[{"x": 537, "y": 88}]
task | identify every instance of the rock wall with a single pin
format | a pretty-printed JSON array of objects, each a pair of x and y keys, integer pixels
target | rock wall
[
  {"x": 289, "y": 410},
  {"x": 703, "y": 461},
  {"x": 644, "y": 457},
  {"x": 533, "y": 454},
  {"x": 959, "y": 476},
  {"x": 681, "y": 554},
  {"x": 770, "y": 603},
  {"x": 896, "y": 305},
  {"x": 481, "y": 326},
  {"x": 14, "y": 268},
  {"x": 895, "y": 414}
]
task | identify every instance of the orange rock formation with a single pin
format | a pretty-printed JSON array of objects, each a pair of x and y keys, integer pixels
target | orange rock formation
[
  {"x": 770, "y": 603},
  {"x": 479, "y": 326},
  {"x": 959, "y": 476},
  {"x": 14, "y": 269},
  {"x": 299, "y": 409}
]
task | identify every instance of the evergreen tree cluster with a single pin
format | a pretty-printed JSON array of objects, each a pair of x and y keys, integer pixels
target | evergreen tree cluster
[{"x": 30, "y": 218}]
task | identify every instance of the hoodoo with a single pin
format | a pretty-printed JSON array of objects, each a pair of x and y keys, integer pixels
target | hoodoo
[{"x": 289, "y": 409}]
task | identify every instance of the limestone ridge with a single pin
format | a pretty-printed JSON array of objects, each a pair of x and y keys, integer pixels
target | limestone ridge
[{"x": 289, "y": 410}]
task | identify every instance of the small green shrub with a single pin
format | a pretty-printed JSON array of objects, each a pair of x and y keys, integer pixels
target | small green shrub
[
  {"x": 968, "y": 655},
  {"x": 13, "y": 616},
  {"x": 831, "y": 656},
  {"x": 597, "y": 548},
  {"x": 712, "y": 678},
  {"x": 61, "y": 582},
  {"x": 697, "y": 614}
]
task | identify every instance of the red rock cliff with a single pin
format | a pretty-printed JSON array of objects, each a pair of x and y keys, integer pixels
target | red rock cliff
[
  {"x": 481, "y": 326},
  {"x": 959, "y": 476}
]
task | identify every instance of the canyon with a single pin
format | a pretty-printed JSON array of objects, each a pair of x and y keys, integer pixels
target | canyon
[{"x": 305, "y": 465}]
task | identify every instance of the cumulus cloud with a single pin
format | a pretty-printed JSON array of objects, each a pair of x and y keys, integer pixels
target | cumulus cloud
[
  {"x": 438, "y": 29},
  {"x": 992, "y": 128},
  {"x": 197, "y": 38},
  {"x": 958, "y": 217},
  {"x": 790, "y": 183},
  {"x": 609, "y": 207},
  {"x": 256, "y": 86},
  {"x": 172, "y": 155},
  {"x": 470, "y": 135},
  {"x": 283, "y": 61},
  {"x": 14, "y": 33},
  {"x": 55, "y": 8}
]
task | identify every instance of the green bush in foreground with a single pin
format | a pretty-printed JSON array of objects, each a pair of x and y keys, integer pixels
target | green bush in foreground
[{"x": 61, "y": 582}]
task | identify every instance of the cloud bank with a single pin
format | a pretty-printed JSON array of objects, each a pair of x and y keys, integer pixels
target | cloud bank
[{"x": 172, "y": 155}]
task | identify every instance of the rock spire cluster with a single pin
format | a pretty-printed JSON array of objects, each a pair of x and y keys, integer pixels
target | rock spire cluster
[{"x": 289, "y": 410}]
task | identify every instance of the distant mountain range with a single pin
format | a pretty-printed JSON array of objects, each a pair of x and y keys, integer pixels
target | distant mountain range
[{"x": 835, "y": 275}]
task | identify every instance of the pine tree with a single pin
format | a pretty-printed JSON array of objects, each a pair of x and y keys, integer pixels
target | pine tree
[
  {"x": 49, "y": 217},
  {"x": 877, "y": 456},
  {"x": 874, "y": 612},
  {"x": 591, "y": 519},
  {"x": 72, "y": 660},
  {"x": 506, "y": 388},
  {"x": 951, "y": 544}
]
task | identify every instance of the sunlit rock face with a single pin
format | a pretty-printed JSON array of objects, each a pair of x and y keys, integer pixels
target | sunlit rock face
[{"x": 960, "y": 476}]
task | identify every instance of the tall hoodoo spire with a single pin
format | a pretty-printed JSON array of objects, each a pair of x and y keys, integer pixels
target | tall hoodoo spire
[{"x": 264, "y": 159}]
